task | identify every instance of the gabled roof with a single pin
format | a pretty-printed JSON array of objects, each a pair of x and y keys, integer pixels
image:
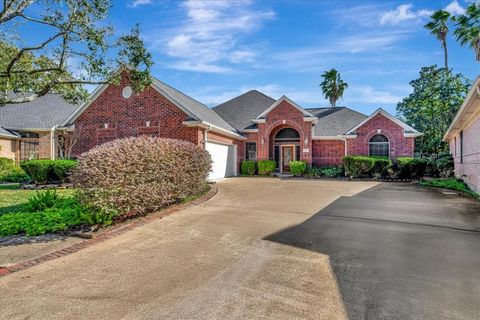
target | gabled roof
[
  {"x": 406, "y": 128},
  {"x": 335, "y": 121},
  {"x": 466, "y": 112},
  {"x": 285, "y": 98},
  {"x": 192, "y": 107},
  {"x": 7, "y": 134},
  {"x": 43, "y": 113},
  {"x": 197, "y": 112},
  {"x": 240, "y": 111}
]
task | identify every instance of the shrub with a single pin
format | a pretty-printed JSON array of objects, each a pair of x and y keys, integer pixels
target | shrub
[
  {"x": 39, "y": 170},
  {"x": 440, "y": 165},
  {"x": 63, "y": 168},
  {"x": 66, "y": 213},
  {"x": 297, "y": 167},
  {"x": 330, "y": 171},
  {"x": 380, "y": 167},
  {"x": 136, "y": 175},
  {"x": 248, "y": 167},
  {"x": 357, "y": 166},
  {"x": 266, "y": 167},
  {"x": 45, "y": 171},
  {"x": 43, "y": 200},
  {"x": 411, "y": 168},
  {"x": 10, "y": 172}
]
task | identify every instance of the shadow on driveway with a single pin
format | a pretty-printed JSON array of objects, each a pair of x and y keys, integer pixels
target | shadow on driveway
[{"x": 399, "y": 252}]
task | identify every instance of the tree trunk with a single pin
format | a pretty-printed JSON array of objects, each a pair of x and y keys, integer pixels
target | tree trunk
[{"x": 445, "y": 51}]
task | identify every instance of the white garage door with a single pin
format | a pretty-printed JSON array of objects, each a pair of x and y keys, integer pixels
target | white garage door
[{"x": 223, "y": 160}]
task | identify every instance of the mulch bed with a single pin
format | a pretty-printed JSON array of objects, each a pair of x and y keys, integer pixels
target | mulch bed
[{"x": 108, "y": 233}]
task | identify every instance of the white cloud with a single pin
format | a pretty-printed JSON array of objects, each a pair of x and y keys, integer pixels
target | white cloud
[
  {"x": 136, "y": 3},
  {"x": 403, "y": 12},
  {"x": 368, "y": 94},
  {"x": 455, "y": 8},
  {"x": 210, "y": 36}
]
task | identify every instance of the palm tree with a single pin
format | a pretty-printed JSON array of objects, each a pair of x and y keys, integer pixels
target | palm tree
[
  {"x": 468, "y": 28},
  {"x": 439, "y": 28},
  {"x": 333, "y": 86}
]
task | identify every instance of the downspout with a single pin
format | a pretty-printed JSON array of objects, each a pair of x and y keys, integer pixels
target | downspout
[
  {"x": 52, "y": 142},
  {"x": 205, "y": 137}
]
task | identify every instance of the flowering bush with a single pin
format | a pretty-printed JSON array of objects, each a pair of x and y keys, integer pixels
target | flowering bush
[{"x": 133, "y": 176}]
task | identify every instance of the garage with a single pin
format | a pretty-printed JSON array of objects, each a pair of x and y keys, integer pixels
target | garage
[{"x": 223, "y": 159}]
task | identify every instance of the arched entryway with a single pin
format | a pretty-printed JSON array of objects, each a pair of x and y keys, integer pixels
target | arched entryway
[{"x": 285, "y": 147}]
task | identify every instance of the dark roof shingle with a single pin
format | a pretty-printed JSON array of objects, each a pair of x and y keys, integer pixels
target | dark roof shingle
[
  {"x": 334, "y": 121},
  {"x": 44, "y": 112},
  {"x": 240, "y": 110}
]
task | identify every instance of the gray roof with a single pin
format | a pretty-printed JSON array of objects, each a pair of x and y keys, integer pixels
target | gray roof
[
  {"x": 196, "y": 110},
  {"x": 44, "y": 112},
  {"x": 333, "y": 121},
  {"x": 7, "y": 133},
  {"x": 240, "y": 111}
]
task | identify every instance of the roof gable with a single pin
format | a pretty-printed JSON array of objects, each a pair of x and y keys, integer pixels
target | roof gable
[
  {"x": 407, "y": 129},
  {"x": 289, "y": 101}
]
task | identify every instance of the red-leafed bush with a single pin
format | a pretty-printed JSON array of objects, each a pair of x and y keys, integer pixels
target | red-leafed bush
[{"x": 133, "y": 176}]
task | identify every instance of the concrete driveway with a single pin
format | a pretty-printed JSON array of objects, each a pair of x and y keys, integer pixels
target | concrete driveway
[{"x": 273, "y": 249}]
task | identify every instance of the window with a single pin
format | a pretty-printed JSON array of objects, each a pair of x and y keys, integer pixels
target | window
[
  {"x": 379, "y": 146},
  {"x": 29, "y": 149},
  {"x": 276, "y": 152},
  {"x": 250, "y": 151},
  {"x": 461, "y": 146},
  {"x": 287, "y": 135},
  {"x": 455, "y": 146},
  {"x": 297, "y": 153}
]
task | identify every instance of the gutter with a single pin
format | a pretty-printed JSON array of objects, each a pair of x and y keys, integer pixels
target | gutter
[
  {"x": 214, "y": 128},
  {"x": 52, "y": 142}
]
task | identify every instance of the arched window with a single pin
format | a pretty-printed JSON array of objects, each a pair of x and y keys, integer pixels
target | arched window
[
  {"x": 379, "y": 146},
  {"x": 287, "y": 134}
]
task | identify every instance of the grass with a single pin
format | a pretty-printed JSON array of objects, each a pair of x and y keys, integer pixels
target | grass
[
  {"x": 450, "y": 183},
  {"x": 13, "y": 199}
]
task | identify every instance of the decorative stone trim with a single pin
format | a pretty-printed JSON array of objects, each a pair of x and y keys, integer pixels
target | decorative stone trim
[{"x": 113, "y": 232}]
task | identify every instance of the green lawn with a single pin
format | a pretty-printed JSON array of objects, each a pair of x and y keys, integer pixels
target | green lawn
[
  {"x": 12, "y": 200},
  {"x": 451, "y": 183}
]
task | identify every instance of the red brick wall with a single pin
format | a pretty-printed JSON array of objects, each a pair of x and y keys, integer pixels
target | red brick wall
[
  {"x": 128, "y": 117},
  {"x": 399, "y": 145},
  {"x": 327, "y": 152},
  {"x": 284, "y": 115}
]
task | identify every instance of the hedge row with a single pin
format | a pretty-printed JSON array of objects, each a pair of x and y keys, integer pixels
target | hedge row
[
  {"x": 10, "y": 172},
  {"x": 403, "y": 167},
  {"x": 263, "y": 167},
  {"x": 47, "y": 171}
]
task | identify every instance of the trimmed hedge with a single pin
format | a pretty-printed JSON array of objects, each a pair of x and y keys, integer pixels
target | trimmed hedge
[
  {"x": 45, "y": 171},
  {"x": 266, "y": 167},
  {"x": 329, "y": 171},
  {"x": 411, "y": 168},
  {"x": 10, "y": 172},
  {"x": 358, "y": 166},
  {"x": 137, "y": 175},
  {"x": 297, "y": 167},
  {"x": 248, "y": 167}
]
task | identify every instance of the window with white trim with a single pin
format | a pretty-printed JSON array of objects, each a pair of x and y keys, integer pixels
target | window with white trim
[{"x": 379, "y": 146}]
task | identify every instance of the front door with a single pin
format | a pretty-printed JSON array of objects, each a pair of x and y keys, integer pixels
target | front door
[{"x": 287, "y": 156}]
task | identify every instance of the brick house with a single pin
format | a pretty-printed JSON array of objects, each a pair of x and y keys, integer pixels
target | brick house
[
  {"x": 250, "y": 126},
  {"x": 463, "y": 137}
]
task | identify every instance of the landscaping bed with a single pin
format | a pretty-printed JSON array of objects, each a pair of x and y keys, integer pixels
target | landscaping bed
[{"x": 450, "y": 184}]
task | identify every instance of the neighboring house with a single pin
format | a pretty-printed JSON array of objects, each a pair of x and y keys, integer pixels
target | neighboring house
[
  {"x": 463, "y": 137},
  {"x": 251, "y": 126},
  {"x": 27, "y": 130}
]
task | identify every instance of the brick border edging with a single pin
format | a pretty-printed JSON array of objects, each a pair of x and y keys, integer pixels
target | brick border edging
[{"x": 121, "y": 229}]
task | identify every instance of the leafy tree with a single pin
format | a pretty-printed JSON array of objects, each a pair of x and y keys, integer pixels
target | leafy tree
[
  {"x": 73, "y": 52},
  {"x": 439, "y": 28},
  {"x": 333, "y": 86},
  {"x": 430, "y": 108},
  {"x": 468, "y": 28}
]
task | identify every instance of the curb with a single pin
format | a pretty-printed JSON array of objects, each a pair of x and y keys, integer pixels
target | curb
[{"x": 115, "y": 231}]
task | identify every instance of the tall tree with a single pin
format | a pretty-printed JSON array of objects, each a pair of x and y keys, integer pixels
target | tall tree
[
  {"x": 430, "y": 108},
  {"x": 439, "y": 28},
  {"x": 73, "y": 47},
  {"x": 333, "y": 86},
  {"x": 468, "y": 28}
]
